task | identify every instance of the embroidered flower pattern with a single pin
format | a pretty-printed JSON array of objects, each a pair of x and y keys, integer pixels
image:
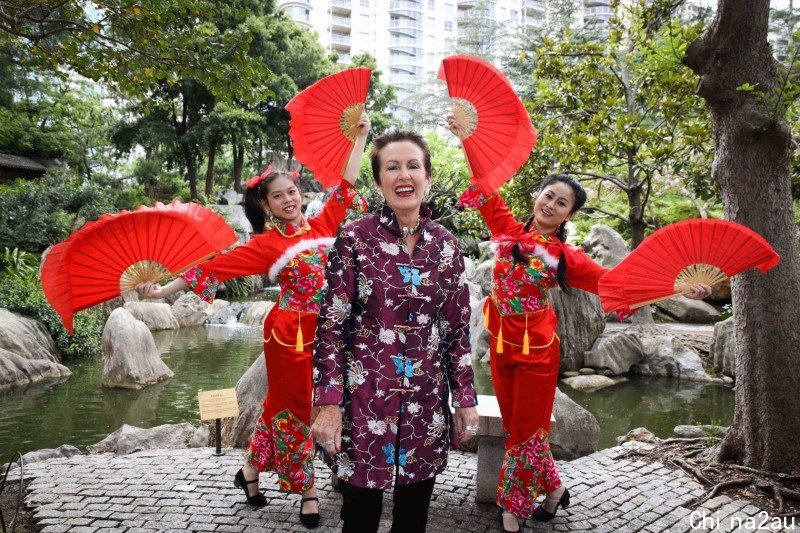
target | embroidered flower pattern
[
  {"x": 204, "y": 284},
  {"x": 284, "y": 447},
  {"x": 472, "y": 198},
  {"x": 528, "y": 468}
]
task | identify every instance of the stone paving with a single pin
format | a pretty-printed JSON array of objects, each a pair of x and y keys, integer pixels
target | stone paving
[{"x": 191, "y": 490}]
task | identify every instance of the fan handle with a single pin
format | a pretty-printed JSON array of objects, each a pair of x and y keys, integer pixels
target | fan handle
[
  {"x": 698, "y": 273},
  {"x": 144, "y": 271}
]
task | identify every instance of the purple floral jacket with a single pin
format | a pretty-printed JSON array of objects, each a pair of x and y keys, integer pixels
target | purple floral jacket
[{"x": 392, "y": 342}]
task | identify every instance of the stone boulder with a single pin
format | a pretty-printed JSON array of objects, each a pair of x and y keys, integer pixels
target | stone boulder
[
  {"x": 577, "y": 431},
  {"x": 605, "y": 245},
  {"x": 251, "y": 389},
  {"x": 478, "y": 334},
  {"x": 236, "y": 219},
  {"x": 255, "y": 314},
  {"x": 581, "y": 320},
  {"x": 591, "y": 383},
  {"x": 617, "y": 352},
  {"x": 229, "y": 197},
  {"x": 130, "y": 439},
  {"x": 469, "y": 268},
  {"x": 723, "y": 346},
  {"x": 667, "y": 356},
  {"x": 228, "y": 314},
  {"x": 483, "y": 276},
  {"x": 130, "y": 357},
  {"x": 27, "y": 352},
  {"x": 685, "y": 309},
  {"x": 26, "y": 337},
  {"x": 156, "y": 316},
  {"x": 637, "y": 435},
  {"x": 190, "y": 310},
  {"x": 694, "y": 432}
]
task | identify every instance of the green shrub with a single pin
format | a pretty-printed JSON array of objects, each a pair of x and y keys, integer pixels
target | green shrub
[{"x": 25, "y": 297}]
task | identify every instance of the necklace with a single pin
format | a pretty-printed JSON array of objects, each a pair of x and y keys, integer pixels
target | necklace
[{"x": 407, "y": 232}]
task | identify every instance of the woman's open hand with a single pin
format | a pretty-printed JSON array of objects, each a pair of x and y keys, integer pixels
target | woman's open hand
[
  {"x": 454, "y": 125},
  {"x": 327, "y": 428},
  {"x": 149, "y": 289}
]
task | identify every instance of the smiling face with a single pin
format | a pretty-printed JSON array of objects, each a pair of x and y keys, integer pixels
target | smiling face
[
  {"x": 553, "y": 206},
  {"x": 403, "y": 179},
  {"x": 284, "y": 200}
]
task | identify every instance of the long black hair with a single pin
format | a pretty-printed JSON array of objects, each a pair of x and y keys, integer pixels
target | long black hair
[
  {"x": 253, "y": 196},
  {"x": 561, "y": 231}
]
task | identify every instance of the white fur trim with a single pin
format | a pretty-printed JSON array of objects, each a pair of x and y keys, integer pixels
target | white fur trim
[
  {"x": 295, "y": 249},
  {"x": 549, "y": 259}
]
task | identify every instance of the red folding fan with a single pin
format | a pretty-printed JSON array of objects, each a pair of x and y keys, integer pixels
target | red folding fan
[
  {"x": 324, "y": 122},
  {"x": 497, "y": 132},
  {"x": 113, "y": 254},
  {"x": 674, "y": 258}
]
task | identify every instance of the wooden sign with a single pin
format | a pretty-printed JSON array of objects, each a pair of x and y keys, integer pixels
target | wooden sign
[{"x": 218, "y": 404}]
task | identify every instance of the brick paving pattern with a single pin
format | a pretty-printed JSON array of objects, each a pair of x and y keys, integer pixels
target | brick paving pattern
[{"x": 191, "y": 490}]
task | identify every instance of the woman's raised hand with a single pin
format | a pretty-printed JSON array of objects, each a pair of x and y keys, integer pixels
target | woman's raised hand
[
  {"x": 455, "y": 126},
  {"x": 149, "y": 289},
  {"x": 364, "y": 125},
  {"x": 699, "y": 291}
]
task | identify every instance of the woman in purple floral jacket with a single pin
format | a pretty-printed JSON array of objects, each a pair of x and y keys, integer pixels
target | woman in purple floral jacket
[{"x": 392, "y": 344}]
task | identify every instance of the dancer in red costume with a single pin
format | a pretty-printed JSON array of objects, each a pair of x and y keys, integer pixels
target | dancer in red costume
[
  {"x": 294, "y": 252},
  {"x": 525, "y": 350}
]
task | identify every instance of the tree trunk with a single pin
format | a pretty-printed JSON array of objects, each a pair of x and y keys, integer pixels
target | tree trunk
[
  {"x": 238, "y": 166},
  {"x": 751, "y": 168},
  {"x": 212, "y": 156},
  {"x": 191, "y": 169},
  {"x": 260, "y": 164},
  {"x": 289, "y": 152}
]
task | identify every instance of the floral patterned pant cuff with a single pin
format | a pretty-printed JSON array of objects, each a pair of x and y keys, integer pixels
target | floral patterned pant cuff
[
  {"x": 283, "y": 445},
  {"x": 528, "y": 470}
]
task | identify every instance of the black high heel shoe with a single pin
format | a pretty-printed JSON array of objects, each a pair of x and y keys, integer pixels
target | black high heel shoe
[
  {"x": 259, "y": 500},
  {"x": 543, "y": 515},
  {"x": 503, "y": 526},
  {"x": 310, "y": 520}
]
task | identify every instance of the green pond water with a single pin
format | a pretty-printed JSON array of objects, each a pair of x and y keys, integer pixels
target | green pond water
[{"x": 80, "y": 412}]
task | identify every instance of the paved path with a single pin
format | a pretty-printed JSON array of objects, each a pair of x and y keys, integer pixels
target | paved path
[{"x": 191, "y": 490}]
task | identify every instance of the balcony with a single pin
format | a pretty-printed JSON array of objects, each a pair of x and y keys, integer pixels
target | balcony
[
  {"x": 412, "y": 51},
  {"x": 344, "y": 59},
  {"x": 468, "y": 4},
  {"x": 535, "y": 5},
  {"x": 594, "y": 3},
  {"x": 340, "y": 43},
  {"x": 341, "y": 24},
  {"x": 405, "y": 24},
  {"x": 404, "y": 5},
  {"x": 599, "y": 11},
  {"x": 342, "y": 7}
]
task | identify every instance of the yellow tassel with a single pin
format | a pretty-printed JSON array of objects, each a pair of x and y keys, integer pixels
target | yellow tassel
[
  {"x": 299, "y": 345},
  {"x": 500, "y": 340},
  {"x": 526, "y": 343},
  {"x": 486, "y": 318}
]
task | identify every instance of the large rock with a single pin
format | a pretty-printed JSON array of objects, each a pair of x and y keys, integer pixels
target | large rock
[
  {"x": 251, "y": 389},
  {"x": 605, "y": 245},
  {"x": 228, "y": 314},
  {"x": 695, "y": 432},
  {"x": 130, "y": 357},
  {"x": 685, "y": 309},
  {"x": 26, "y": 337},
  {"x": 617, "y": 352},
  {"x": 592, "y": 382},
  {"x": 667, "y": 356},
  {"x": 236, "y": 219},
  {"x": 156, "y": 316},
  {"x": 255, "y": 314},
  {"x": 578, "y": 431},
  {"x": 27, "y": 352},
  {"x": 469, "y": 267},
  {"x": 722, "y": 352},
  {"x": 637, "y": 435},
  {"x": 16, "y": 371},
  {"x": 190, "y": 310},
  {"x": 581, "y": 320},
  {"x": 483, "y": 276},
  {"x": 130, "y": 439},
  {"x": 478, "y": 334}
]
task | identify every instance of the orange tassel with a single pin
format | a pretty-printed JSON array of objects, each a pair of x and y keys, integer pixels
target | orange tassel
[
  {"x": 500, "y": 339},
  {"x": 486, "y": 318},
  {"x": 526, "y": 343},
  {"x": 299, "y": 344}
]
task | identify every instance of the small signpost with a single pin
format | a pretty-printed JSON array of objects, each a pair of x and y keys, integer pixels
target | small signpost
[{"x": 216, "y": 405}]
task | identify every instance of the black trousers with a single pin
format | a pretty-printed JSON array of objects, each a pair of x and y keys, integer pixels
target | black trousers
[{"x": 362, "y": 508}]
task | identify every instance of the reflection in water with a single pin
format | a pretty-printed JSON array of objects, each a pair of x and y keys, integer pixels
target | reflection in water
[
  {"x": 79, "y": 411},
  {"x": 659, "y": 404}
]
